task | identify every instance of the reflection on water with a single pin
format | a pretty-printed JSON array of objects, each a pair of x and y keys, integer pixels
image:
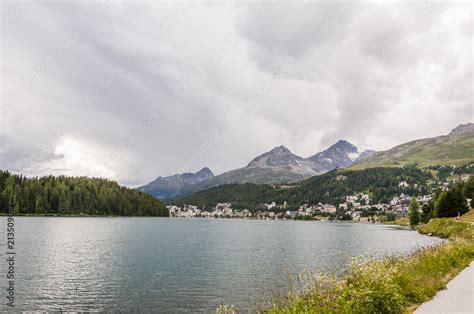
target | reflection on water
[{"x": 178, "y": 265}]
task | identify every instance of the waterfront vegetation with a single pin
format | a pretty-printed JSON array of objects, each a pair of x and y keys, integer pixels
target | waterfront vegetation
[
  {"x": 73, "y": 196},
  {"x": 401, "y": 221},
  {"x": 391, "y": 285},
  {"x": 448, "y": 228}
]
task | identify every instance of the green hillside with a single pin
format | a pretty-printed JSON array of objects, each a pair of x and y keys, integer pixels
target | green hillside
[
  {"x": 73, "y": 196},
  {"x": 332, "y": 187},
  {"x": 455, "y": 149}
]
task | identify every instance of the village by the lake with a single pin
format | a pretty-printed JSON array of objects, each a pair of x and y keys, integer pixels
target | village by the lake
[{"x": 357, "y": 208}]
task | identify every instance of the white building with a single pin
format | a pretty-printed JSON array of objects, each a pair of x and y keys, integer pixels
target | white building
[
  {"x": 403, "y": 184},
  {"x": 328, "y": 208},
  {"x": 270, "y": 206}
]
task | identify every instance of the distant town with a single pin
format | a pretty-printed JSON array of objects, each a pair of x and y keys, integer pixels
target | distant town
[{"x": 358, "y": 207}]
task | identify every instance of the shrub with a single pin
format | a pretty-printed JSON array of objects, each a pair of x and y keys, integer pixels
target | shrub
[{"x": 390, "y": 217}]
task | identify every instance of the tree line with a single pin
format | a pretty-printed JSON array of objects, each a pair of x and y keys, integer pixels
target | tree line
[
  {"x": 445, "y": 203},
  {"x": 64, "y": 195},
  {"x": 450, "y": 202}
]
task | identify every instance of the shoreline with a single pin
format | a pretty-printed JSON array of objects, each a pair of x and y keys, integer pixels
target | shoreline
[
  {"x": 203, "y": 218},
  {"x": 393, "y": 284}
]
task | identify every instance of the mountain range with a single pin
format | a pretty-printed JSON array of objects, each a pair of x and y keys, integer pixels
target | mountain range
[
  {"x": 378, "y": 174},
  {"x": 276, "y": 166},
  {"x": 280, "y": 165}
]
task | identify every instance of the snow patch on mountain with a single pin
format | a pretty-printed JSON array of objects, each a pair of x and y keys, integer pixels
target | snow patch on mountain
[
  {"x": 276, "y": 166},
  {"x": 353, "y": 156}
]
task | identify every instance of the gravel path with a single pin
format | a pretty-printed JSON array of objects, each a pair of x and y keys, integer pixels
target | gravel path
[{"x": 457, "y": 298}]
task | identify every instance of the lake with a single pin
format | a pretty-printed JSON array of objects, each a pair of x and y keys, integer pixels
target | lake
[{"x": 179, "y": 265}]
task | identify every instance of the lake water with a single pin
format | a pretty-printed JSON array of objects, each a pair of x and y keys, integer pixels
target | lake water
[{"x": 178, "y": 265}]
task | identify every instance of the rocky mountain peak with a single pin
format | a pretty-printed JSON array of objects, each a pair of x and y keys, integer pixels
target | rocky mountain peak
[
  {"x": 343, "y": 145},
  {"x": 339, "y": 155},
  {"x": 278, "y": 156},
  {"x": 281, "y": 151},
  {"x": 463, "y": 129},
  {"x": 205, "y": 173}
]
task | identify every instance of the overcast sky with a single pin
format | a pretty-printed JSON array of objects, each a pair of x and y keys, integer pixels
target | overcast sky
[{"x": 132, "y": 91}]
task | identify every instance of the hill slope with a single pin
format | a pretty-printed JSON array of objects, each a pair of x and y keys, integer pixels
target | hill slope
[
  {"x": 332, "y": 187},
  {"x": 456, "y": 148}
]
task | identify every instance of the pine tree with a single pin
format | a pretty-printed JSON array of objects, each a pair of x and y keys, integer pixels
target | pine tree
[
  {"x": 451, "y": 203},
  {"x": 427, "y": 212},
  {"x": 414, "y": 212},
  {"x": 468, "y": 189},
  {"x": 16, "y": 210},
  {"x": 39, "y": 205}
]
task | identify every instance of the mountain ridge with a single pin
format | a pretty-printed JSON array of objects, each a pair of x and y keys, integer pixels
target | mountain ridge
[
  {"x": 455, "y": 148},
  {"x": 279, "y": 165},
  {"x": 171, "y": 186},
  {"x": 276, "y": 166},
  {"x": 462, "y": 129}
]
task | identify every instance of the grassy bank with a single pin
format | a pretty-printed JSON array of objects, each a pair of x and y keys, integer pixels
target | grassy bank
[
  {"x": 401, "y": 221},
  {"x": 468, "y": 217},
  {"x": 391, "y": 285},
  {"x": 448, "y": 228}
]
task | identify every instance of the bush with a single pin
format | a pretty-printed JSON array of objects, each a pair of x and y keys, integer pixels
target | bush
[
  {"x": 390, "y": 217},
  {"x": 450, "y": 203}
]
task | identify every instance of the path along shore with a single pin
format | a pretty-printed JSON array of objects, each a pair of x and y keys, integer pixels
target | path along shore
[{"x": 457, "y": 298}]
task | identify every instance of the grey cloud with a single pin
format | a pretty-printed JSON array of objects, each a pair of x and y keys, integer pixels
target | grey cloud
[{"x": 208, "y": 71}]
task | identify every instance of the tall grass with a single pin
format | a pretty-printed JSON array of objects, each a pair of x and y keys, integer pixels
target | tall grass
[
  {"x": 401, "y": 221},
  {"x": 469, "y": 216},
  {"x": 391, "y": 285}
]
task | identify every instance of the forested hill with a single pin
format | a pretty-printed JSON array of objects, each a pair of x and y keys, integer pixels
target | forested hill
[
  {"x": 73, "y": 196},
  {"x": 332, "y": 187}
]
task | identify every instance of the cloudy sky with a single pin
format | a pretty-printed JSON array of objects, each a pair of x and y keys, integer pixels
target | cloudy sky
[{"x": 134, "y": 90}]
